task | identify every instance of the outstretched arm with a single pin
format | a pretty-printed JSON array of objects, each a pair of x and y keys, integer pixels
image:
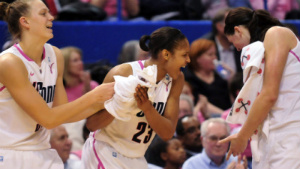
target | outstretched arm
[
  {"x": 14, "y": 76},
  {"x": 102, "y": 118}
]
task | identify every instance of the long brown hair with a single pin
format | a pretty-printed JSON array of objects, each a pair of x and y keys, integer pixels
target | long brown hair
[{"x": 256, "y": 21}]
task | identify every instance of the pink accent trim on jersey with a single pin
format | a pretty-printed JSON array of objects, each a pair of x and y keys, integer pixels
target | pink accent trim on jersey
[
  {"x": 100, "y": 165},
  {"x": 141, "y": 64},
  {"x": 25, "y": 56},
  {"x": 2, "y": 88},
  {"x": 295, "y": 55}
]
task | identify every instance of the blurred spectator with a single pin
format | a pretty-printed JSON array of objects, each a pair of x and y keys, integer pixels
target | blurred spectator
[
  {"x": 188, "y": 132},
  {"x": 60, "y": 141},
  {"x": 77, "y": 82},
  {"x": 202, "y": 109},
  {"x": 239, "y": 3},
  {"x": 277, "y": 8},
  {"x": 98, "y": 70},
  {"x": 211, "y": 7},
  {"x": 68, "y": 10},
  {"x": 186, "y": 105},
  {"x": 161, "y": 9},
  {"x": 202, "y": 76},
  {"x": 226, "y": 52},
  {"x": 170, "y": 154},
  {"x": 213, "y": 154},
  {"x": 131, "y": 51},
  {"x": 130, "y": 8}
]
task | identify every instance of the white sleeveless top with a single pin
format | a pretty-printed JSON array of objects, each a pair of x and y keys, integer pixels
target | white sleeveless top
[
  {"x": 133, "y": 137},
  {"x": 286, "y": 111},
  {"x": 18, "y": 130}
]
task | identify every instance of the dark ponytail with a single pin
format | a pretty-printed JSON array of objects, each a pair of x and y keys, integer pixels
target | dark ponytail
[
  {"x": 257, "y": 22},
  {"x": 11, "y": 13},
  {"x": 4, "y": 8},
  {"x": 143, "y": 41},
  {"x": 163, "y": 38}
]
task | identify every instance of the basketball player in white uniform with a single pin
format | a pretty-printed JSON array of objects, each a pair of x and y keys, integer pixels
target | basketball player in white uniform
[
  {"x": 277, "y": 107},
  {"x": 122, "y": 145},
  {"x": 30, "y": 85}
]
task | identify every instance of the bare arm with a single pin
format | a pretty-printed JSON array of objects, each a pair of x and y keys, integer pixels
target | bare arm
[
  {"x": 102, "y": 118},
  {"x": 165, "y": 125},
  {"x": 278, "y": 42},
  {"x": 13, "y": 74}
]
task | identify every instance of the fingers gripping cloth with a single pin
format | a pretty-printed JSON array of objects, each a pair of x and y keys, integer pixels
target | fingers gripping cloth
[
  {"x": 253, "y": 63},
  {"x": 123, "y": 103}
]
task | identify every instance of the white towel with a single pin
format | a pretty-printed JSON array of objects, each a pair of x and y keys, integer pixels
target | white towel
[
  {"x": 123, "y": 103},
  {"x": 253, "y": 63}
]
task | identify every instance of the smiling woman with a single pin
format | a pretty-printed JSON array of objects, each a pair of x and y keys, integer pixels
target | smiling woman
[
  {"x": 128, "y": 140},
  {"x": 32, "y": 68}
]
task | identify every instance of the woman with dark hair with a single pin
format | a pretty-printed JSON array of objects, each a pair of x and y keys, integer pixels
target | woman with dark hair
[
  {"x": 278, "y": 102},
  {"x": 32, "y": 95},
  {"x": 116, "y": 143}
]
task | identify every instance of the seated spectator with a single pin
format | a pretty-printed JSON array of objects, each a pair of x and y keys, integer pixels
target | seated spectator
[
  {"x": 277, "y": 8},
  {"x": 188, "y": 132},
  {"x": 59, "y": 140},
  {"x": 170, "y": 154},
  {"x": 77, "y": 82},
  {"x": 211, "y": 7},
  {"x": 202, "y": 76},
  {"x": 186, "y": 105},
  {"x": 226, "y": 52},
  {"x": 130, "y": 8},
  {"x": 213, "y": 154},
  {"x": 131, "y": 51},
  {"x": 202, "y": 109}
]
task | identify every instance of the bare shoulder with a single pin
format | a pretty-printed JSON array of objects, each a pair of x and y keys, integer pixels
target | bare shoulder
[
  {"x": 11, "y": 64},
  {"x": 121, "y": 70},
  {"x": 281, "y": 36},
  {"x": 57, "y": 52}
]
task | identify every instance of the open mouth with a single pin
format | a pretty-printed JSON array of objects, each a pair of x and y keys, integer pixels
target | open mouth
[{"x": 182, "y": 68}]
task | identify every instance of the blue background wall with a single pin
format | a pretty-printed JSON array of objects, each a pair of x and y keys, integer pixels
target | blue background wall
[{"x": 103, "y": 40}]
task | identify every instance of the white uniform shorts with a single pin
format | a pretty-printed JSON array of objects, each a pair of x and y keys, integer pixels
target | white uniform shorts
[
  {"x": 100, "y": 155},
  {"x": 42, "y": 159},
  {"x": 281, "y": 150}
]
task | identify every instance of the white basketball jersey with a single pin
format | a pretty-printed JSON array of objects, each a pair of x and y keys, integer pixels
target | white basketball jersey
[
  {"x": 17, "y": 129},
  {"x": 132, "y": 138}
]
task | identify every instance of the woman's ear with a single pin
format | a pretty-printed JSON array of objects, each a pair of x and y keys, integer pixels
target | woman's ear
[
  {"x": 166, "y": 54},
  {"x": 24, "y": 22}
]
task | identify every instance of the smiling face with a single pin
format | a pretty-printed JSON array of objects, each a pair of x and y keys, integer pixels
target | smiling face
[
  {"x": 178, "y": 59},
  {"x": 39, "y": 20},
  {"x": 215, "y": 132},
  {"x": 240, "y": 38}
]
